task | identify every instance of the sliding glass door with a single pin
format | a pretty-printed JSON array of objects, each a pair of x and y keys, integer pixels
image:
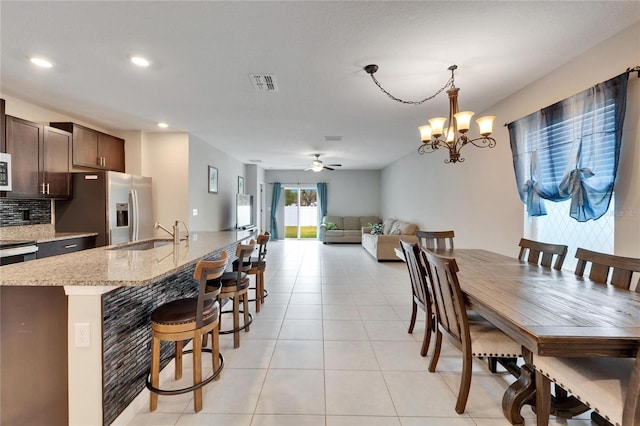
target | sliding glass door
[{"x": 301, "y": 212}]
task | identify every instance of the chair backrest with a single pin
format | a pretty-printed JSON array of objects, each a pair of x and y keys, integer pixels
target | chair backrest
[
  {"x": 435, "y": 240},
  {"x": 208, "y": 270},
  {"x": 417, "y": 274},
  {"x": 451, "y": 313},
  {"x": 243, "y": 252},
  {"x": 263, "y": 239},
  {"x": 535, "y": 248},
  {"x": 601, "y": 263}
]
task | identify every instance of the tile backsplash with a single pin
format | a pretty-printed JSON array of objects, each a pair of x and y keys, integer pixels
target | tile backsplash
[{"x": 14, "y": 212}]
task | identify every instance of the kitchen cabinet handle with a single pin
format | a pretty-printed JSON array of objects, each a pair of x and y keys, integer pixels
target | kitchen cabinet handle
[
  {"x": 48, "y": 192},
  {"x": 43, "y": 188},
  {"x": 70, "y": 246}
]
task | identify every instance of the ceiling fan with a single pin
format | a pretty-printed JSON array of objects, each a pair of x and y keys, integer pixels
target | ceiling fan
[{"x": 317, "y": 165}]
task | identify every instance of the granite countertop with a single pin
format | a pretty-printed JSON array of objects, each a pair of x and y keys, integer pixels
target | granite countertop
[
  {"x": 39, "y": 233},
  {"x": 118, "y": 265}
]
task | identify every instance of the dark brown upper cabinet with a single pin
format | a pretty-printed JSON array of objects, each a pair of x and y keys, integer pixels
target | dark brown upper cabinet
[
  {"x": 40, "y": 160},
  {"x": 94, "y": 149}
]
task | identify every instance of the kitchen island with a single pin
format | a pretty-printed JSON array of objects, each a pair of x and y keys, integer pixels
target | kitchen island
[{"x": 111, "y": 291}]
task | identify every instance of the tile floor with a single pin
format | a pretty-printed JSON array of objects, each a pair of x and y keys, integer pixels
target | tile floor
[{"x": 330, "y": 348}]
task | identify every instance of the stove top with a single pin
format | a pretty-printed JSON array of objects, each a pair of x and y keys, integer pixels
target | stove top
[{"x": 5, "y": 244}]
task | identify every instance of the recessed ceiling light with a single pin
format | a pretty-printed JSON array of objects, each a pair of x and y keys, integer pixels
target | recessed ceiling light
[
  {"x": 41, "y": 62},
  {"x": 140, "y": 61},
  {"x": 163, "y": 125}
]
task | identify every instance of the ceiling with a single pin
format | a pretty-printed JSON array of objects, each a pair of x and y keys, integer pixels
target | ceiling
[{"x": 202, "y": 54}]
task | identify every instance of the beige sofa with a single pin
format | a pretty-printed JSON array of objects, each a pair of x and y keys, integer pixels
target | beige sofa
[
  {"x": 381, "y": 247},
  {"x": 349, "y": 228}
]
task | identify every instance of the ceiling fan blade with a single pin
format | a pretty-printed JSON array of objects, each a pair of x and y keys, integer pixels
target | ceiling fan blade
[
  {"x": 335, "y": 165},
  {"x": 328, "y": 168}
]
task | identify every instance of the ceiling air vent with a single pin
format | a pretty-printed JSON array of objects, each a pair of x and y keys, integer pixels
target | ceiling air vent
[
  {"x": 263, "y": 82},
  {"x": 333, "y": 138}
]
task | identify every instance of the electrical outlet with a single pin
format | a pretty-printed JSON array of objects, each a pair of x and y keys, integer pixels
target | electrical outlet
[
  {"x": 82, "y": 334},
  {"x": 195, "y": 212}
]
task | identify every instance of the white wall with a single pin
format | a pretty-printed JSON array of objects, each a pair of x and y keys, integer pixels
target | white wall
[
  {"x": 216, "y": 212},
  {"x": 478, "y": 198},
  {"x": 349, "y": 192},
  {"x": 255, "y": 176},
  {"x": 166, "y": 161}
]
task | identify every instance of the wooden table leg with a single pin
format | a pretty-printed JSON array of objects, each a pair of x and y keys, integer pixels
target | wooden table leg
[{"x": 520, "y": 392}]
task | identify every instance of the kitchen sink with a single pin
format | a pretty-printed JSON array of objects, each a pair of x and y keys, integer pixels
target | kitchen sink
[{"x": 145, "y": 245}]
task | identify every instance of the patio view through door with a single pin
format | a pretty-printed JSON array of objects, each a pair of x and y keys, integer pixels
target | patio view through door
[{"x": 300, "y": 212}]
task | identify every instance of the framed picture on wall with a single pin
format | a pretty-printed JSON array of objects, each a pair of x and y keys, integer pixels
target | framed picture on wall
[
  {"x": 213, "y": 180},
  {"x": 240, "y": 185}
]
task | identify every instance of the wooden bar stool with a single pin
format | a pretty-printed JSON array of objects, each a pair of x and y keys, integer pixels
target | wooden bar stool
[
  {"x": 258, "y": 266},
  {"x": 234, "y": 285},
  {"x": 184, "y": 319}
]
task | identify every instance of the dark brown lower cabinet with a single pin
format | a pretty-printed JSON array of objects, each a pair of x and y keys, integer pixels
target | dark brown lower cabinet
[{"x": 33, "y": 356}]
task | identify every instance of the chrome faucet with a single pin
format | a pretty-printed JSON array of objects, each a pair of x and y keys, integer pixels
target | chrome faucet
[{"x": 176, "y": 230}]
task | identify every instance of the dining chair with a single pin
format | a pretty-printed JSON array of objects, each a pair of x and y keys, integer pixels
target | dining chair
[
  {"x": 542, "y": 253},
  {"x": 602, "y": 263},
  {"x": 474, "y": 338},
  {"x": 609, "y": 386},
  {"x": 432, "y": 240},
  {"x": 420, "y": 291},
  {"x": 183, "y": 319}
]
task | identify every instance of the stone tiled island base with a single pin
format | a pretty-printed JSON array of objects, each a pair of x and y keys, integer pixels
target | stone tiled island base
[{"x": 126, "y": 335}]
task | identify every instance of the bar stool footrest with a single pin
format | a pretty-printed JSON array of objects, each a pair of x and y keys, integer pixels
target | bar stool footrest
[
  {"x": 190, "y": 388},
  {"x": 264, "y": 295},
  {"x": 242, "y": 327}
]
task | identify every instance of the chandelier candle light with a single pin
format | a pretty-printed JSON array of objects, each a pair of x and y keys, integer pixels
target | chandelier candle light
[{"x": 435, "y": 135}]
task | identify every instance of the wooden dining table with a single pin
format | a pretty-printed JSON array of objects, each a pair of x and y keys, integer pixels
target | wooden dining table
[{"x": 549, "y": 312}]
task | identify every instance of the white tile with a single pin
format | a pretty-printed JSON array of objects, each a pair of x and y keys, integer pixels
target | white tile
[
  {"x": 400, "y": 356},
  {"x": 287, "y": 420},
  {"x": 372, "y": 313},
  {"x": 335, "y": 298},
  {"x": 357, "y": 393},
  {"x": 445, "y": 421},
  {"x": 206, "y": 419},
  {"x": 252, "y": 353},
  {"x": 155, "y": 419},
  {"x": 387, "y": 330},
  {"x": 304, "y": 311},
  {"x": 301, "y": 329},
  {"x": 306, "y": 298},
  {"x": 236, "y": 392},
  {"x": 344, "y": 330},
  {"x": 292, "y": 392},
  {"x": 298, "y": 354},
  {"x": 420, "y": 394},
  {"x": 340, "y": 312},
  {"x": 362, "y": 421},
  {"x": 371, "y": 299},
  {"x": 347, "y": 355},
  {"x": 263, "y": 328},
  {"x": 270, "y": 310}
]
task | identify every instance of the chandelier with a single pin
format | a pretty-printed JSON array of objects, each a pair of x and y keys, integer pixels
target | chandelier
[{"x": 446, "y": 133}]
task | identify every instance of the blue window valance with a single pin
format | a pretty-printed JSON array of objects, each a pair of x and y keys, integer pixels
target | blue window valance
[{"x": 570, "y": 150}]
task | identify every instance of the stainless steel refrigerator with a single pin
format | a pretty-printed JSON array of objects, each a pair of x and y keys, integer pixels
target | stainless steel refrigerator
[{"x": 115, "y": 205}]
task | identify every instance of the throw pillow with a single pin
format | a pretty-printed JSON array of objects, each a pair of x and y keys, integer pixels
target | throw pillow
[
  {"x": 331, "y": 226},
  {"x": 376, "y": 229},
  {"x": 395, "y": 229}
]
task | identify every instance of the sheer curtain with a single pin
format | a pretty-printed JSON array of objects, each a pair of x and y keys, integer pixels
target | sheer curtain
[
  {"x": 570, "y": 150},
  {"x": 277, "y": 189}
]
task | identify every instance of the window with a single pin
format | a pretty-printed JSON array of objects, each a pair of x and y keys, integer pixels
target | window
[{"x": 570, "y": 150}]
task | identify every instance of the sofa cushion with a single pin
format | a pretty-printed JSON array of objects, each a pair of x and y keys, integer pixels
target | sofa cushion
[
  {"x": 351, "y": 223},
  {"x": 366, "y": 220},
  {"x": 335, "y": 233},
  {"x": 407, "y": 228},
  {"x": 386, "y": 226},
  {"x": 395, "y": 228},
  {"x": 334, "y": 219},
  {"x": 352, "y": 232}
]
